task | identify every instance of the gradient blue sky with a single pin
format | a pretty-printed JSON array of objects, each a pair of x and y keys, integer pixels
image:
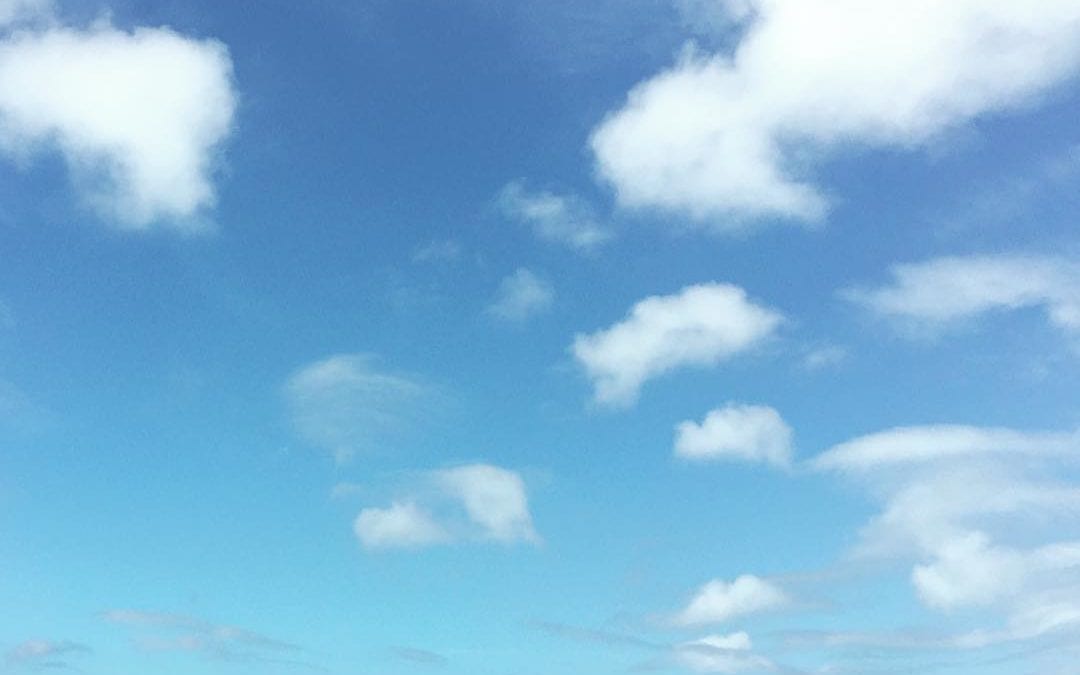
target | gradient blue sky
[{"x": 539, "y": 337}]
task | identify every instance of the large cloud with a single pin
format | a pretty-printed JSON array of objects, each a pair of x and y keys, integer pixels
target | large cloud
[
  {"x": 730, "y": 138},
  {"x": 138, "y": 116},
  {"x": 698, "y": 326}
]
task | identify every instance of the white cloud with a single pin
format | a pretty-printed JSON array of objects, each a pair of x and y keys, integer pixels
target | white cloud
[
  {"x": 521, "y": 295},
  {"x": 563, "y": 219},
  {"x": 969, "y": 507},
  {"x": 494, "y": 498},
  {"x": 721, "y": 654},
  {"x": 345, "y": 404},
  {"x": 741, "y": 432},
  {"x": 403, "y": 525},
  {"x": 138, "y": 116},
  {"x": 730, "y": 138},
  {"x": 719, "y": 601},
  {"x": 918, "y": 444},
  {"x": 698, "y": 326},
  {"x": 950, "y": 289},
  {"x": 470, "y": 502}
]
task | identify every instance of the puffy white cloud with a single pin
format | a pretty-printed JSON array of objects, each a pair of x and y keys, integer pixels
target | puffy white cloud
[
  {"x": 345, "y": 404},
  {"x": 917, "y": 444},
  {"x": 698, "y": 326},
  {"x": 741, "y": 432},
  {"x": 469, "y": 502},
  {"x": 494, "y": 498},
  {"x": 950, "y": 289},
  {"x": 730, "y": 138},
  {"x": 721, "y": 654},
  {"x": 562, "y": 219},
  {"x": 968, "y": 571},
  {"x": 521, "y": 295},
  {"x": 138, "y": 116},
  {"x": 720, "y": 601},
  {"x": 402, "y": 525}
]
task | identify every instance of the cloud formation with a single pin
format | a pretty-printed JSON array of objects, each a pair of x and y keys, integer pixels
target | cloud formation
[
  {"x": 473, "y": 502},
  {"x": 521, "y": 296},
  {"x": 699, "y": 326},
  {"x": 752, "y": 433},
  {"x": 345, "y": 404},
  {"x": 946, "y": 290},
  {"x": 139, "y": 117},
  {"x": 721, "y": 654},
  {"x": 561, "y": 219},
  {"x": 719, "y": 601},
  {"x": 731, "y": 139},
  {"x": 37, "y": 655}
]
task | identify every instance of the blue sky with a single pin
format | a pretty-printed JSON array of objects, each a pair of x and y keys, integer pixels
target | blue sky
[{"x": 674, "y": 336}]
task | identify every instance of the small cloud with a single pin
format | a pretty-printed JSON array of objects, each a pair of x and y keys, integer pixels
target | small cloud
[
  {"x": 35, "y": 655},
  {"x": 419, "y": 656},
  {"x": 346, "y": 404},
  {"x": 944, "y": 291},
  {"x": 437, "y": 251},
  {"x": 562, "y": 219},
  {"x": 470, "y": 502},
  {"x": 737, "y": 432},
  {"x": 720, "y": 601},
  {"x": 521, "y": 296},
  {"x": 822, "y": 358},
  {"x": 721, "y": 654},
  {"x": 700, "y": 326}
]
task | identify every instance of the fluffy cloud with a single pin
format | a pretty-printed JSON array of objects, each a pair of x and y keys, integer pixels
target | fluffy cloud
[
  {"x": 730, "y": 138},
  {"x": 520, "y": 296},
  {"x": 402, "y": 525},
  {"x": 698, "y": 326},
  {"x": 561, "y": 219},
  {"x": 138, "y": 116},
  {"x": 345, "y": 404},
  {"x": 720, "y": 601},
  {"x": 469, "y": 502},
  {"x": 741, "y": 432},
  {"x": 950, "y": 289}
]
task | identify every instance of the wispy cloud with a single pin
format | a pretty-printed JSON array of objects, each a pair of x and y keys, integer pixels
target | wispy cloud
[
  {"x": 346, "y": 404},
  {"x": 561, "y": 219},
  {"x": 700, "y": 326},
  {"x": 521, "y": 296},
  {"x": 35, "y": 655},
  {"x": 419, "y": 656}
]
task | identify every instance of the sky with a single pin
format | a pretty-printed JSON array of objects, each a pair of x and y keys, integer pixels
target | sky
[{"x": 539, "y": 337}]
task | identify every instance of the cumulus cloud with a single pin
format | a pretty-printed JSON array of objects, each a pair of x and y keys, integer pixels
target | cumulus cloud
[
  {"x": 698, "y": 326},
  {"x": 139, "y": 117},
  {"x": 733, "y": 138},
  {"x": 469, "y": 502},
  {"x": 521, "y": 295},
  {"x": 968, "y": 507},
  {"x": 739, "y": 432},
  {"x": 402, "y": 525},
  {"x": 719, "y": 601},
  {"x": 562, "y": 219},
  {"x": 950, "y": 289},
  {"x": 346, "y": 404},
  {"x": 43, "y": 654}
]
